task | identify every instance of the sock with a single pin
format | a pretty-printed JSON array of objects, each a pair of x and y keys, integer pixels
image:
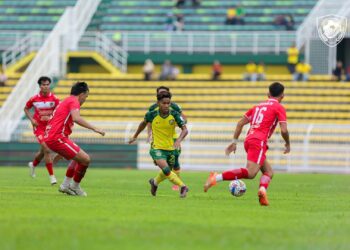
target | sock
[
  {"x": 75, "y": 184},
  {"x": 49, "y": 168},
  {"x": 159, "y": 178},
  {"x": 219, "y": 177},
  {"x": 35, "y": 162},
  {"x": 239, "y": 173},
  {"x": 79, "y": 172},
  {"x": 265, "y": 181},
  {"x": 175, "y": 179},
  {"x": 67, "y": 181},
  {"x": 71, "y": 168}
]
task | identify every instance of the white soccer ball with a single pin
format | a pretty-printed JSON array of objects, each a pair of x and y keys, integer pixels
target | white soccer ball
[{"x": 237, "y": 188}]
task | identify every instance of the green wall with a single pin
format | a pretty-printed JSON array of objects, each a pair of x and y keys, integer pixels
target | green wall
[{"x": 102, "y": 155}]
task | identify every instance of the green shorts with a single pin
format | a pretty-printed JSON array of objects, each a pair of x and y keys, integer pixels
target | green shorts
[{"x": 168, "y": 155}]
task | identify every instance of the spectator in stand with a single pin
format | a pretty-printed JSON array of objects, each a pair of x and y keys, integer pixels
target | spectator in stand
[
  {"x": 240, "y": 13},
  {"x": 196, "y": 3},
  {"x": 302, "y": 72},
  {"x": 250, "y": 74},
  {"x": 293, "y": 54},
  {"x": 169, "y": 22},
  {"x": 217, "y": 70},
  {"x": 347, "y": 74},
  {"x": 289, "y": 22},
  {"x": 337, "y": 72},
  {"x": 169, "y": 72},
  {"x": 179, "y": 23},
  {"x": 180, "y": 3},
  {"x": 231, "y": 16},
  {"x": 3, "y": 79},
  {"x": 260, "y": 70},
  {"x": 148, "y": 69},
  {"x": 280, "y": 20}
]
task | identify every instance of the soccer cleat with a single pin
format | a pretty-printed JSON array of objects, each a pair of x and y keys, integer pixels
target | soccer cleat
[
  {"x": 154, "y": 187},
  {"x": 77, "y": 190},
  {"x": 31, "y": 170},
  {"x": 53, "y": 180},
  {"x": 175, "y": 188},
  {"x": 263, "y": 197},
  {"x": 65, "y": 189},
  {"x": 211, "y": 181},
  {"x": 183, "y": 191}
]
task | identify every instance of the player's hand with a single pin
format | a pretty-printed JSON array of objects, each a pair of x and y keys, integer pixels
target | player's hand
[
  {"x": 99, "y": 131},
  {"x": 177, "y": 144},
  {"x": 132, "y": 140},
  {"x": 287, "y": 149},
  {"x": 231, "y": 148},
  {"x": 34, "y": 123}
]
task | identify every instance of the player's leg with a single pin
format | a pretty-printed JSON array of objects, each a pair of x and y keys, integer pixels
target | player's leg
[
  {"x": 65, "y": 186},
  {"x": 37, "y": 159},
  {"x": 267, "y": 174},
  {"x": 48, "y": 163},
  {"x": 83, "y": 161},
  {"x": 177, "y": 168},
  {"x": 56, "y": 159}
]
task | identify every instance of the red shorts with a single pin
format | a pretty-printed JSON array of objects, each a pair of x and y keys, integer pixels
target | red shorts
[
  {"x": 64, "y": 146},
  {"x": 39, "y": 133},
  {"x": 256, "y": 150}
]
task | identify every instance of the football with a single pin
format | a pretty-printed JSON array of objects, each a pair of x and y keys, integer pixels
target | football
[{"x": 237, "y": 188}]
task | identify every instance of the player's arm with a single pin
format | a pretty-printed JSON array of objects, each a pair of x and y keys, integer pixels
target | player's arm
[
  {"x": 30, "y": 117},
  {"x": 233, "y": 145},
  {"x": 183, "y": 134},
  {"x": 285, "y": 136},
  {"x": 141, "y": 127},
  {"x": 149, "y": 132},
  {"x": 80, "y": 120}
]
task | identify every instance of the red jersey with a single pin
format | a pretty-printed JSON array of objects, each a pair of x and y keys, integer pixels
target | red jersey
[
  {"x": 264, "y": 118},
  {"x": 61, "y": 123},
  {"x": 43, "y": 107}
]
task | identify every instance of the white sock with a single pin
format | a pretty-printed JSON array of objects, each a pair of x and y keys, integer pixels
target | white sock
[
  {"x": 75, "y": 184},
  {"x": 67, "y": 181},
  {"x": 219, "y": 177}
]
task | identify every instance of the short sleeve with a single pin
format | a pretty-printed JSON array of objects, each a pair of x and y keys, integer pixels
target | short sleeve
[
  {"x": 176, "y": 107},
  {"x": 249, "y": 114},
  {"x": 281, "y": 114},
  {"x": 178, "y": 119},
  {"x": 152, "y": 107},
  {"x": 149, "y": 116},
  {"x": 29, "y": 104},
  {"x": 74, "y": 105}
]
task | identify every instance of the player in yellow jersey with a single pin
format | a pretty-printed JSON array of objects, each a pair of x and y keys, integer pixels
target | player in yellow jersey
[
  {"x": 176, "y": 107},
  {"x": 163, "y": 122}
]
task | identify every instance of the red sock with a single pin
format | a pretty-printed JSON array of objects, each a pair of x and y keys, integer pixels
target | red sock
[
  {"x": 49, "y": 168},
  {"x": 79, "y": 172},
  {"x": 35, "y": 162},
  {"x": 71, "y": 168},
  {"x": 265, "y": 181},
  {"x": 239, "y": 173}
]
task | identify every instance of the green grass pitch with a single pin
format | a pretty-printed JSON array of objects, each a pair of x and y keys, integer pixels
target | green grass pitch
[{"x": 307, "y": 211}]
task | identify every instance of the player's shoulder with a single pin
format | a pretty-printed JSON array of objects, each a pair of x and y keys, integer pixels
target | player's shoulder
[
  {"x": 151, "y": 114},
  {"x": 153, "y": 107},
  {"x": 176, "y": 107}
]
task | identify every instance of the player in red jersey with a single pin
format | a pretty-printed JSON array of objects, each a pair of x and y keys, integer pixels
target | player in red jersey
[
  {"x": 44, "y": 104},
  {"x": 57, "y": 139},
  {"x": 263, "y": 119}
]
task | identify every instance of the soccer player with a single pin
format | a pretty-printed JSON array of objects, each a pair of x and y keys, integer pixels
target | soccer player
[
  {"x": 163, "y": 121},
  {"x": 176, "y": 107},
  {"x": 44, "y": 104},
  {"x": 263, "y": 119},
  {"x": 57, "y": 138}
]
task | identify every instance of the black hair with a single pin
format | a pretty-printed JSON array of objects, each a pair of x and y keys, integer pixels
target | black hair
[
  {"x": 78, "y": 88},
  {"x": 44, "y": 79},
  {"x": 163, "y": 87},
  {"x": 163, "y": 95},
  {"x": 276, "y": 89}
]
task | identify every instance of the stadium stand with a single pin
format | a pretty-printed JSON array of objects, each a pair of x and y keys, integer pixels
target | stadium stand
[{"x": 151, "y": 15}]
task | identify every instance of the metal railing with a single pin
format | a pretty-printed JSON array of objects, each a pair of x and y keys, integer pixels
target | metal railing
[
  {"x": 99, "y": 42},
  {"x": 213, "y": 42}
]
